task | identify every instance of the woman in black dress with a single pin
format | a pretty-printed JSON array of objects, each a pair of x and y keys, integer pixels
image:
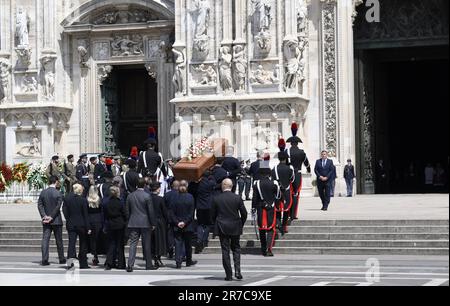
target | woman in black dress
[{"x": 159, "y": 235}]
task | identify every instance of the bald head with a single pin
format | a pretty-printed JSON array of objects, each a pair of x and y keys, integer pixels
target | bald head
[
  {"x": 176, "y": 185},
  {"x": 227, "y": 185}
]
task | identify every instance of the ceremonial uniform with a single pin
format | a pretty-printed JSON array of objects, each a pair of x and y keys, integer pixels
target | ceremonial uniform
[
  {"x": 82, "y": 175},
  {"x": 265, "y": 194},
  {"x": 285, "y": 176}
]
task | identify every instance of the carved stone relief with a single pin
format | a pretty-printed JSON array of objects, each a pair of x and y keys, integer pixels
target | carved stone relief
[
  {"x": 103, "y": 72},
  {"x": 48, "y": 67},
  {"x": 116, "y": 16},
  {"x": 28, "y": 143},
  {"x": 5, "y": 74},
  {"x": 239, "y": 67},
  {"x": 204, "y": 75},
  {"x": 83, "y": 52},
  {"x": 264, "y": 77},
  {"x": 201, "y": 18},
  {"x": 261, "y": 21},
  {"x": 101, "y": 50},
  {"x": 152, "y": 69},
  {"x": 123, "y": 45},
  {"x": 29, "y": 84}
]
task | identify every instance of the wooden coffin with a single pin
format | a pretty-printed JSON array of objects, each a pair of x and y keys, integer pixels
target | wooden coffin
[{"x": 192, "y": 170}]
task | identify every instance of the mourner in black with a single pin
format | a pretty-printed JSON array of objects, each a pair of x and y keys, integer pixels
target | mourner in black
[
  {"x": 219, "y": 174},
  {"x": 49, "y": 206},
  {"x": 181, "y": 218},
  {"x": 203, "y": 201},
  {"x": 244, "y": 180},
  {"x": 324, "y": 170},
  {"x": 116, "y": 218},
  {"x": 232, "y": 166},
  {"x": 297, "y": 158},
  {"x": 82, "y": 173},
  {"x": 96, "y": 223},
  {"x": 229, "y": 215},
  {"x": 130, "y": 178},
  {"x": 75, "y": 211},
  {"x": 99, "y": 169},
  {"x": 285, "y": 176},
  {"x": 169, "y": 198},
  {"x": 150, "y": 160},
  {"x": 159, "y": 235},
  {"x": 265, "y": 195},
  {"x": 254, "y": 167},
  {"x": 141, "y": 222}
]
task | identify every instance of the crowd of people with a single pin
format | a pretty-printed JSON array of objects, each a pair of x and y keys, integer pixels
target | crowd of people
[{"x": 141, "y": 199}]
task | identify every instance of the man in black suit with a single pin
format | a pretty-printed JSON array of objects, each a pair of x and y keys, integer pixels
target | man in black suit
[
  {"x": 49, "y": 206},
  {"x": 232, "y": 165},
  {"x": 219, "y": 174},
  {"x": 99, "y": 169},
  {"x": 130, "y": 178},
  {"x": 254, "y": 167},
  {"x": 229, "y": 214},
  {"x": 324, "y": 170},
  {"x": 141, "y": 222}
]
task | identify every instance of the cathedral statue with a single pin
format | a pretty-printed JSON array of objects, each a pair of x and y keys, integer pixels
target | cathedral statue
[
  {"x": 178, "y": 79},
  {"x": 240, "y": 67},
  {"x": 293, "y": 55},
  {"x": 202, "y": 11},
  {"x": 226, "y": 79},
  {"x": 22, "y": 27},
  {"x": 261, "y": 16}
]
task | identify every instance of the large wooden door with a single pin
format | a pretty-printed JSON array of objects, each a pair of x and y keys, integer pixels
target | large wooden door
[{"x": 137, "y": 93}]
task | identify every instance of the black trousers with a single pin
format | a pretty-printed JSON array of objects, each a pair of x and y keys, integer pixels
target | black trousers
[
  {"x": 46, "y": 234},
  {"x": 183, "y": 242},
  {"x": 74, "y": 233},
  {"x": 116, "y": 248},
  {"x": 233, "y": 243},
  {"x": 296, "y": 190},
  {"x": 244, "y": 185},
  {"x": 267, "y": 239},
  {"x": 95, "y": 237},
  {"x": 324, "y": 192},
  {"x": 135, "y": 235}
]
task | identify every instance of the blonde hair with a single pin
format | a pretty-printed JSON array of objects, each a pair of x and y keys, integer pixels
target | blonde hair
[
  {"x": 93, "y": 197},
  {"x": 78, "y": 189}
]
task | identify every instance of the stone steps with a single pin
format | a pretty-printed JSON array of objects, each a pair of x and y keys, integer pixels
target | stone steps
[{"x": 351, "y": 237}]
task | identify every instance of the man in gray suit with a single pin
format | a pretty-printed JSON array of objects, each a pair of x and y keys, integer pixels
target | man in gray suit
[
  {"x": 49, "y": 206},
  {"x": 141, "y": 222}
]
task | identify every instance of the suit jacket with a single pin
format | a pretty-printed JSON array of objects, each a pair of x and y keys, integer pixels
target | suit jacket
[
  {"x": 49, "y": 204},
  {"x": 81, "y": 170},
  {"x": 115, "y": 214},
  {"x": 75, "y": 209},
  {"x": 326, "y": 171},
  {"x": 159, "y": 207},
  {"x": 229, "y": 214},
  {"x": 232, "y": 166},
  {"x": 169, "y": 198},
  {"x": 183, "y": 207},
  {"x": 139, "y": 210},
  {"x": 99, "y": 170},
  {"x": 205, "y": 193}
]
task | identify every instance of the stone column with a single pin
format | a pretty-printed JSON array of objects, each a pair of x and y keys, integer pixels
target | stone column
[
  {"x": 49, "y": 23},
  {"x": 5, "y": 25},
  {"x": 2, "y": 138}
]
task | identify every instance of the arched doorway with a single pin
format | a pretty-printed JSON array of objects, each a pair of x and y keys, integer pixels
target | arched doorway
[
  {"x": 121, "y": 64},
  {"x": 401, "y": 98}
]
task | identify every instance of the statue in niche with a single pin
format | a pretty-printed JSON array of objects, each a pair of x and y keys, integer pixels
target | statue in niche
[
  {"x": 22, "y": 28},
  {"x": 225, "y": 60},
  {"x": 180, "y": 64},
  {"x": 33, "y": 149},
  {"x": 293, "y": 55},
  {"x": 208, "y": 75},
  {"x": 261, "y": 76},
  {"x": 261, "y": 16},
  {"x": 240, "y": 67},
  {"x": 201, "y": 15},
  {"x": 5, "y": 72},
  {"x": 48, "y": 65}
]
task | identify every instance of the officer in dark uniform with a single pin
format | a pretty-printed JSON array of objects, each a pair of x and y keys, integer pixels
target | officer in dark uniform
[
  {"x": 150, "y": 160},
  {"x": 103, "y": 188},
  {"x": 297, "y": 157},
  {"x": 82, "y": 173},
  {"x": 254, "y": 167},
  {"x": 219, "y": 174},
  {"x": 285, "y": 176},
  {"x": 130, "y": 178},
  {"x": 100, "y": 169},
  {"x": 265, "y": 195},
  {"x": 232, "y": 165}
]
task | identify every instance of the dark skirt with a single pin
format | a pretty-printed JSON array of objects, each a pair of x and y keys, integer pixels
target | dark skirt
[{"x": 159, "y": 239}]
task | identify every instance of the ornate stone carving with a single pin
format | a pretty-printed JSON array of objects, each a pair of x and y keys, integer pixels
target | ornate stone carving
[
  {"x": 28, "y": 144},
  {"x": 356, "y": 3},
  {"x": 83, "y": 53},
  {"x": 125, "y": 16},
  {"x": 178, "y": 76},
  {"x": 5, "y": 73},
  {"x": 206, "y": 75},
  {"x": 101, "y": 50},
  {"x": 103, "y": 72},
  {"x": 24, "y": 55},
  {"x": 261, "y": 21},
  {"x": 222, "y": 110},
  {"x": 29, "y": 84},
  {"x": 152, "y": 69},
  {"x": 22, "y": 28},
  {"x": 201, "y": 17},
  {"x": 262, "y": 76},
  {"x": 122, "y": 45},
  {"x": 239, "y": 67},
  {"x": 48, "y": 66},
  {"x": 155, "y": 48},
  {"x": 329, "y": 75},
  {"x": 225, "y": 61},
  {"x": 368, "y": 139},
  {"x": 293, "y": 55}
]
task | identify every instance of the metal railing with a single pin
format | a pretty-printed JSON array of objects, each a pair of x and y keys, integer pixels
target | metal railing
[{"x": 19, "y": 193}]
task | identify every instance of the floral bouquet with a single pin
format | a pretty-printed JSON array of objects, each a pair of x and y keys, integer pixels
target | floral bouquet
[
  {"x": 199, "y": 148},
  {"x": 36, "y": 177},
  {"x": 6, "y": 177},
  {"x": 19, "y": 172}
]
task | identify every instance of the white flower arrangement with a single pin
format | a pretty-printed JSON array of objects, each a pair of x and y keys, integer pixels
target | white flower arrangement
[
  {"x": 36, "y": 177},
  {"x": 198, "y": 149}
]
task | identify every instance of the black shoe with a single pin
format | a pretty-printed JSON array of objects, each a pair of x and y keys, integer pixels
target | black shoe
[
  {"x": 198, "y": 249},
  {"x": 108, "y": 268},
  {"x": 178, "y": 265},
  {"x": 184, "y": 259},
  {"x": 191, "y": 263},
  {"x": 85, "y": 268},
  {"x": 170, "y": 254},
  {"x": 264, "y": 254},
  {"x": 129, "y": 269},
  {"x": 62, "y": 262},
  {"x": 152, "y": 268},
  {"x": 160, "y": 263},
  {"x": 156, "y": 263},
  {"x": 229, "y": 279},
  {"x": 269, "y": 254},
  {"x": 289, "y": 221},
  {"x": 95, "y": 262},
  {"x": 45, "y": 263},
  {"x": 238, "y": 275}
]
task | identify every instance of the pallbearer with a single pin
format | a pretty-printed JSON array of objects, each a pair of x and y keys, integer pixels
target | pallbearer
[
  {"x": 297, "y": 157},
  {"x": 285, "y": 176},
  {"x": 265, "y": 194},
  {"x": 150, "y": 161}
]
